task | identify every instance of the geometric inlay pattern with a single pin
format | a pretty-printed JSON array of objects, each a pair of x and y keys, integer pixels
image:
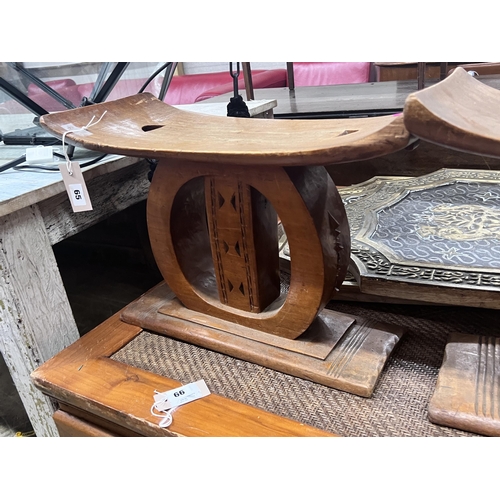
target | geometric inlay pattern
[{"x": 230, "y": 242}]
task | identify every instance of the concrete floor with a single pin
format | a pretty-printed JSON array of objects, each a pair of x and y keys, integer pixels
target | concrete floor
[{"x": 103, "y": 269}]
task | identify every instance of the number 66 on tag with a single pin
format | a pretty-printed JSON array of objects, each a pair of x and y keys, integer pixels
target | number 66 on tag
[{"x": 182, "y": 395}]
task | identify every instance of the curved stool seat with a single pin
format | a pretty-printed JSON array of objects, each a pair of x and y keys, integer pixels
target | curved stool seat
[
  {"x": 213, "y": 207},
  {"x": 143, "y": 126},
  {"x": 459, "y": 112}
]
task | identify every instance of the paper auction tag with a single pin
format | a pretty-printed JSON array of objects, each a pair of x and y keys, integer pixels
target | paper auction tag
[
  {"x": 182, "y": 395},
  {"x": 75, "y": 186}
]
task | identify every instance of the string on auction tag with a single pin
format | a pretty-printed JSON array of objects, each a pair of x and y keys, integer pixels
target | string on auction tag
[
  {"x": 72, "y": 175},
  {"x": 165, "y": 415},
  {"x": 91, "y": 123},
  {"x": 166, "y": 402}
]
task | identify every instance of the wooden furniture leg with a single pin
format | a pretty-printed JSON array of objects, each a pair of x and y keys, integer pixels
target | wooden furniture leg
[
  {"x": 420, "y": 75},
  {"x": 247, "y": 74},
  {"x": 32, "y": 303}
]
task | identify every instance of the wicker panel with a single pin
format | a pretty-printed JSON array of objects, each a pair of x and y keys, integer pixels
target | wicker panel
[{"x": 398, "y": 406}]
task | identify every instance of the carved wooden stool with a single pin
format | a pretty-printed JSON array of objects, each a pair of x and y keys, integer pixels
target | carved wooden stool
[
  {"x": 462, "y": 113},
  {"x": 212, "y": 219}
]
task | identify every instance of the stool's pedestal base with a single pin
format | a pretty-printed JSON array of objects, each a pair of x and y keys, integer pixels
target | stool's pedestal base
[
  {"x": 338, "y": 350},
  {"x": 467, "y": 390}
]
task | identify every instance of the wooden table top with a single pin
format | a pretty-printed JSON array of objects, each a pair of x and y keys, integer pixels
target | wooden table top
[{"x": 19, "y": 189}]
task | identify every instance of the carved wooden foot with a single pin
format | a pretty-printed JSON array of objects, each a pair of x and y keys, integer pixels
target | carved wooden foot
[{"x": 467, "y": 395}]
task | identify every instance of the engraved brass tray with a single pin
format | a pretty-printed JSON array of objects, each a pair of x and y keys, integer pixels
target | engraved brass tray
[{"x": 434, "y": 238}]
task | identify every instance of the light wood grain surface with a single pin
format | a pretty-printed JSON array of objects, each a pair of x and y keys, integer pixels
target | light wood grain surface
[{"x": 84, "y": 377}]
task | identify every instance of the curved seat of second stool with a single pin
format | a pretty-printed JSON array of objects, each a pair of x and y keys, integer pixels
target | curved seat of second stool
[
  {"x": 460, "y": 112},
  {"x": 143, "y": 126}
]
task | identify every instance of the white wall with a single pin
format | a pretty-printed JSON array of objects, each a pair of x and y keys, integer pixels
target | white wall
[{"x": 212, "y": 67}]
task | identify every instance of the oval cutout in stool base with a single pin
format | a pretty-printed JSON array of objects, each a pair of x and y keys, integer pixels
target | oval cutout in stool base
[{"x": 308, "y": 204}]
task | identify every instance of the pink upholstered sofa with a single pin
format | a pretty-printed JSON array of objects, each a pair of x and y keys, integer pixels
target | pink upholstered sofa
[{"x": 315, "y": 74}]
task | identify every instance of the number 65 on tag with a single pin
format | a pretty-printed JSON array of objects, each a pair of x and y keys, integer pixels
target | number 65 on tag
[
  {"x": 78, "y": 198},
  {"x": 75, "y": 187}
]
